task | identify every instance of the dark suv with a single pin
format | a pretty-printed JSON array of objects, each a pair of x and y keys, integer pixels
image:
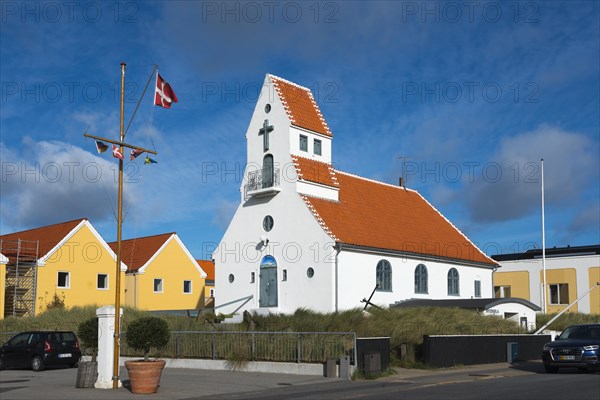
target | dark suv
[
  {"x": 38, "y": 349},
  {"x": 578, "y": 346}
]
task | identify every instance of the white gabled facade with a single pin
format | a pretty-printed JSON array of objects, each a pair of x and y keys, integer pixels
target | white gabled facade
[
  {"x": 240, "y": 251},
  {"x": 304, "y": 263}
]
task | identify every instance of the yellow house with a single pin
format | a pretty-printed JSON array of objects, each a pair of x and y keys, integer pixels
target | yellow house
[
  {"x": 68, "y": 261},
  {"x": 208, "y": 266},
  {"x": 572, "y": 273},
  {"x": 3, "y": 261},
  {"x": 161, "y": 274}
]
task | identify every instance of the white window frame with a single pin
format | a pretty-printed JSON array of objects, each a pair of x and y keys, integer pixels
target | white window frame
[
  {"x": 558, "y": 290},
  {"x": 503, "y": 291},
  {"x": 383, "y": 276},
  {"x": 191, "y": 290},
  {"x": 68, "y": 279},
  {"x": 452, "y": 281},
  {"x": 102, "y": 288},
  {"x": 421, "y": 279},
  {"x": 315, "y": 141},
  {"x": 305, "y": 141},
  {"x": 477, "y": 288},
  {"x": 162, "y": 288}
]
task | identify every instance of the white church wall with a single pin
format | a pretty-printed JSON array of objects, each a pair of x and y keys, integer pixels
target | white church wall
[
  {"x": 278, "y": 138},
  {"x": 357, "y": 278},
  {"x": 296, "y": 242}
]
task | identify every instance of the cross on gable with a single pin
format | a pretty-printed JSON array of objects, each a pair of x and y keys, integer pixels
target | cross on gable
[{"x": 265, "y": 132}]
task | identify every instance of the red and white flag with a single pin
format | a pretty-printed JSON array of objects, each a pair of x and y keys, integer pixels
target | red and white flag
[
  {"x": 163, "y": 94},
  {"x": 117, "y": 152}
]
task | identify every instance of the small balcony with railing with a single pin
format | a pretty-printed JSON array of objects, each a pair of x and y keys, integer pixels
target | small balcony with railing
[{"x": 261, "y": 183}]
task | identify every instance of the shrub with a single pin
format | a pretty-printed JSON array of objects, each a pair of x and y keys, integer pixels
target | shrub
[
  {"x": 56, "y": 303},
  {"x": 88, "y": 333},
  {"x": 146, "y": 333}
]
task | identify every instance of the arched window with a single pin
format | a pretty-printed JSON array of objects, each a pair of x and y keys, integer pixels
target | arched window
[
  {"x": 384, "y": 275},
  {"x": 421, "y": 279},
  {"x": 453, "y": 282},
  {"x": 267, "y": 171}
]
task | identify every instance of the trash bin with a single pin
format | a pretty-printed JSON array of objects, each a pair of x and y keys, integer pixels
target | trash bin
[
  {"x": 345, "y": 367},
  {"x": 512, "y": 352},
  {"x": 331, "y": 368},
  {"x": 372, "y": 363}
]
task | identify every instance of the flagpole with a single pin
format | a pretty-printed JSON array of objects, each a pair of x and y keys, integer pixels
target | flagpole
[
  {"x": 544, "y": 290},
  {"x": 119, "y": 231},
  {"x": 120, "y": 156}
]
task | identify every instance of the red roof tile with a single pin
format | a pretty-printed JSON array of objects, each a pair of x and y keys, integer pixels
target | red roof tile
[
  {"x": 48, "y": 236},
  {"x": 135, "y": 253},
  {"x": 300, "y": 105},
  {"x": 207, "y": 266},
  {"x": 378, "y": 215},
  {"x": 315, "y": 171}
]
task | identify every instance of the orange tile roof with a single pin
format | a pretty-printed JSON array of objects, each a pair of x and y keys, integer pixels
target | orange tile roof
[
  {"x": 315, "y": 171},
  {"x": 136, "y": 252},
  {"x": 208, "y": 266},
  {"x": 378, "y": 215},
  {"x": 48, "y": 236},
  {"x": 300, "y": 105}
]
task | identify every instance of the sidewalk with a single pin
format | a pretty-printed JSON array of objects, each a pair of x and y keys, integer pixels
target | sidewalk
[
  {"x": 469, "y": 372},
  {"x": 175, "y": 383}
]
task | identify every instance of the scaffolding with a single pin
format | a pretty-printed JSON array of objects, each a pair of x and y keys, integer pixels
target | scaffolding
[{"x": 21, "y": 276}]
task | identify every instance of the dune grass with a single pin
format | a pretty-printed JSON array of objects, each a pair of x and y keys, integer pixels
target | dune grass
[
  {"x": 566, "y": 320},
  {"x": 403, "y": 326}
]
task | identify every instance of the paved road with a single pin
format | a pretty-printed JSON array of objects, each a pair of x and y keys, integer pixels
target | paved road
[
  {"x": 498, "y": 382},
  {"x": 489, "y": 382}
]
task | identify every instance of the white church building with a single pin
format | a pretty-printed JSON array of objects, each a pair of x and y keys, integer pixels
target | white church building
[{"x": 306, "y": 235}]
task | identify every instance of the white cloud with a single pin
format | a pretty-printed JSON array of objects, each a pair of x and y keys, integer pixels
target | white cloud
[
  {"x": 570, "y": 164},
  {"x": 53, "y": 181}
]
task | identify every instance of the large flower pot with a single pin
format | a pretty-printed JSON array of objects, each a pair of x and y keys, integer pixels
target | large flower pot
[{"x": 144, "y": 376}]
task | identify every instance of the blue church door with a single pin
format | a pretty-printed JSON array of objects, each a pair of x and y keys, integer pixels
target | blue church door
[{"x": 268, "y": 282}]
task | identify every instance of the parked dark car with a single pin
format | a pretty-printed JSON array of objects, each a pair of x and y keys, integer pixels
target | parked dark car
[
  {"x": 39, "y": 349},
  {"x": 578, "y": 346}
]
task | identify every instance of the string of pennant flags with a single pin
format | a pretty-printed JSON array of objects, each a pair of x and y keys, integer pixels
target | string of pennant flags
[{"x": 164, "y": 96}]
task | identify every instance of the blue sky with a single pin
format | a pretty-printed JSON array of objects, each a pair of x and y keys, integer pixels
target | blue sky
[{"x": 473, "y": 94}]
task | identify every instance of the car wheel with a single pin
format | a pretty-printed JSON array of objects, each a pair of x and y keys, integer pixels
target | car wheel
[
  {"x": 1, "y": 363},
  {"x": 550, "y": 369},
  {"x": 37, "y": 364}
]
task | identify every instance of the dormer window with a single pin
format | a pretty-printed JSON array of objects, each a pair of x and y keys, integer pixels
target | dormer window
[
  {"x": 317, "y": 147},
  {"x": 303, "y": 143}
]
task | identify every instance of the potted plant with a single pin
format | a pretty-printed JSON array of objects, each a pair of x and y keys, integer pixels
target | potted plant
[
  {"x": 87, "y": 371},
  {"x": 143, "y": 334}
]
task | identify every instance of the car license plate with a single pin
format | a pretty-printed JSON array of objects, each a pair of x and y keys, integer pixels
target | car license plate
[
  {"x": 64, "y": 355},
  {"x": 566, "y": 358}
]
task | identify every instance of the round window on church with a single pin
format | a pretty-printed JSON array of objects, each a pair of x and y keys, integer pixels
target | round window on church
[
  {"x": 267, "y": 108},
  {"x": 231, "y": 278},
  {"x": 310, "y": 272},
  {"x": 268, "y": 223}
]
